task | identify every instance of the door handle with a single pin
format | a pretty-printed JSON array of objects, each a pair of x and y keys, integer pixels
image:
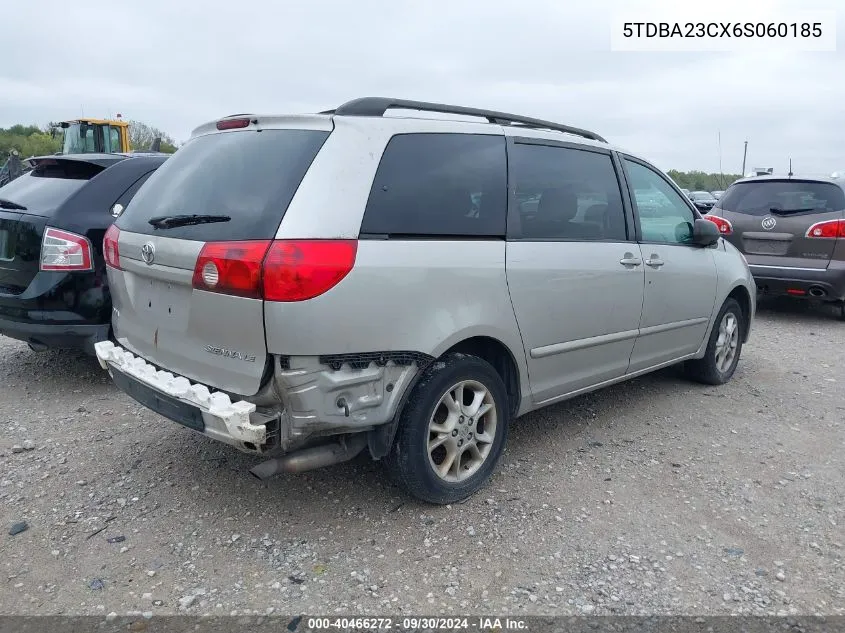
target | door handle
[
  {"x": 630, "y": 260},
  {"x": 654, "y": 261}
]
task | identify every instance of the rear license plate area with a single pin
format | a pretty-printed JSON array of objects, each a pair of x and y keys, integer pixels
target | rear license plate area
[
  {"x": 162, "y": 300},
  {"x": 172, "y": 408},
  {"x": 766, "y": 247}
]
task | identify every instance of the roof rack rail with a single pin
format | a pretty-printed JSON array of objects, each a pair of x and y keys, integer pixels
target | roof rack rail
[{"x": 377, "y": 106}]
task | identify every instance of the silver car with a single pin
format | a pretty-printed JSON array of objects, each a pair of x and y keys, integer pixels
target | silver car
[{"x": 306, "y": 288}]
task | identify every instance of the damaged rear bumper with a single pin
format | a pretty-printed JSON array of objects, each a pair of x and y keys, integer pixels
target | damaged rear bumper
[
  {"x": 193, "y": 405},
  {"x": 308, "y": 400}
]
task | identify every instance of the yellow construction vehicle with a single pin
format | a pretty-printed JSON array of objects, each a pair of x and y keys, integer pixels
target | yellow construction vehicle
[
  {"x": 95, "y": 136},
  {"x": 81, "y": 136}
]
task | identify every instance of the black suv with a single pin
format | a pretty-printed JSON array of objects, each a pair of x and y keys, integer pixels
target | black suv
[{"x": 53, "y": 286}]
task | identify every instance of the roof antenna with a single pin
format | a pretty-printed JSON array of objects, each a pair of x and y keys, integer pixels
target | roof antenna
[{"x": 790, "y": 168}]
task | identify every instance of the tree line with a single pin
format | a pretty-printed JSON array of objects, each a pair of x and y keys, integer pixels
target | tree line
[
  {"x": 31, "y": 140},
  {"x": 701, "y": 181}
]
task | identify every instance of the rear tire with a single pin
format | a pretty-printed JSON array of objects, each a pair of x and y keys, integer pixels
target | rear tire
[
  {"x": 723, "y": 349},
  {"x": 452, "y": 430}
]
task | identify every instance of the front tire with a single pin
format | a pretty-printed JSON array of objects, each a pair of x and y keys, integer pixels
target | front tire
[
  {"x": 723, "y": 349},
  {"x": 452, "y": 430}
]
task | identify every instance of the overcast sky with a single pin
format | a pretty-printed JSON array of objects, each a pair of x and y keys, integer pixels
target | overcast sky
[{"x": 177, "y": 63}]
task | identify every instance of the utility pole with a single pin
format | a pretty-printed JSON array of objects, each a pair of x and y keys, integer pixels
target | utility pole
[{"x": 744, "y": 154}]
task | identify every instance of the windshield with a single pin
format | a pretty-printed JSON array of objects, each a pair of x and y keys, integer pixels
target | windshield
[
  {"x": 702, "y": 195},
  {"x": 79, "y": 139},
  {"x": 764, "y": 196}
]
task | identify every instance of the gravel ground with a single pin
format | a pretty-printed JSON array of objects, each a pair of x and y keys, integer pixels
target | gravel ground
[{"x": 653, "y": 497}]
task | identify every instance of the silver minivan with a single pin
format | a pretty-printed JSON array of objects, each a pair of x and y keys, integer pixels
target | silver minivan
[{"x": 382, "y": 278}]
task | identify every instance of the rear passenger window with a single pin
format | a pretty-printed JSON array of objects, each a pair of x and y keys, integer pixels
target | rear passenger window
[
  {"x": 450, "y": 185},
  {"x": 567, "y": 194}
]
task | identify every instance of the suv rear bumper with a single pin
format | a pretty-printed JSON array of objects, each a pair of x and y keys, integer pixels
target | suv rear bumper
[
  {"x": 192, "y": 405},
  {"x": 822, "y": 283},
  {"x": 61, "y": 336},
  {"x": 63, "y": 310}
]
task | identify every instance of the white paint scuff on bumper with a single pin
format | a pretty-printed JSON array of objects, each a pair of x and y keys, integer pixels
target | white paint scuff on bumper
[{"x": 216, "y": 407}]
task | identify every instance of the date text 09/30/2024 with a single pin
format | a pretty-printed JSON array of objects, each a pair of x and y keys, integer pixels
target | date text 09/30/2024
[{"x": 410, "y": 623}]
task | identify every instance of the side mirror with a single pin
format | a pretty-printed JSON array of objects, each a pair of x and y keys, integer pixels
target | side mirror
[{"x": 705, "y": 232}]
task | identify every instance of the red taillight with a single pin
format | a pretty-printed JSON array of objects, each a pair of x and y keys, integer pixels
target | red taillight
[
  {"x": 232, "y": 268},
  {"x": 798, "y": 292},
  {"x": 61, "y": 250},
  {"x": 296, "y": 270},
  {"x": 829, "y": 229},
  {"x": 285, "y": 270},
  {"x": 725, "y": 227},
  {"x": 110, "y": 249},
  {"x": 232, "y": 124}
]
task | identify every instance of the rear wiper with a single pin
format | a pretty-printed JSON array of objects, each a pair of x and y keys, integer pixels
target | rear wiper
[
  {"x": 8, "y": 204},
  {"x": 170, "y": 221},
  {"x": 788, "y": 211}
]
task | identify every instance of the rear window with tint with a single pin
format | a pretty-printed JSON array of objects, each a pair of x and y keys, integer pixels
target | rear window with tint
[
  {"x": 249, "y": 176},
  {"x": 782, "y": 196},
  {"x": 40, "y": 193},
  {"x": 448, "y": 185}
]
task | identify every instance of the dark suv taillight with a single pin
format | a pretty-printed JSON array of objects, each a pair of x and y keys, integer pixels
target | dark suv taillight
[
  {"x": 829, "y": 229},
  {"x": 65, "y": 251},
  {"x": 724, "y": 226}
]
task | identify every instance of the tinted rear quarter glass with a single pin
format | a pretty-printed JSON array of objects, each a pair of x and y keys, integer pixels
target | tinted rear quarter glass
[
  {"x": 760, "y": 197},
  {"x": 449, "y": 185},
  {"x": 250, "y": 176}
]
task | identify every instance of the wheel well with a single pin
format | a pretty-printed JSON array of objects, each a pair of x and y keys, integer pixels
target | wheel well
[
  {"x": 499, "y": 356},
  {"x": 742, "y": 297}
]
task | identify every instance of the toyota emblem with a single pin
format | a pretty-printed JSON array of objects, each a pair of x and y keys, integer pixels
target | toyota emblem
[
  {"x": 769, "y": 223},
  {"x": 148, "y": 253}
]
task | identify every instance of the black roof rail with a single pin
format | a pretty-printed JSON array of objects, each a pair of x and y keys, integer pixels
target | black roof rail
[{"x": 377, "y": 106}]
